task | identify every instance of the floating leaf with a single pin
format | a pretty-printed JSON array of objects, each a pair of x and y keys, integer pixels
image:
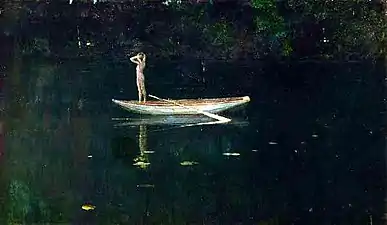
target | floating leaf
[{"x": 88, "y": 207}]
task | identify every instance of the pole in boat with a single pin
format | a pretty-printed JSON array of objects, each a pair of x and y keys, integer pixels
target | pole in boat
[{"x": 214, "y": 116}]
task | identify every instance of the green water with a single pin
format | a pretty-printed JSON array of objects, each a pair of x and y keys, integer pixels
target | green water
[{"x": 308, "y": 148}]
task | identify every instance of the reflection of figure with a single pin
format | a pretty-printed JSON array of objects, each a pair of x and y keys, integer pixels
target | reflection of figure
[
  {"x": 142, "y": 160},
  {"x": 140, "y": 60},
  {"x": 142, "y": 139}
]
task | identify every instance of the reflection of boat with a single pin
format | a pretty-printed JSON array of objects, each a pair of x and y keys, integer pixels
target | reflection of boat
[
  {"x": 192, "y": 106},
  {"x": 170, "y": 120}
]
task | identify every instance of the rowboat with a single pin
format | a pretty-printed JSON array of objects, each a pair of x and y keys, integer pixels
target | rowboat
[{"x": 182, "y": 106}]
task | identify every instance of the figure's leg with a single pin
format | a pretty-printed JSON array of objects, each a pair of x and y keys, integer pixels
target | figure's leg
[
  {"x": 139, "y": 96},
  {"x": 143, "y": 91},
  {"x": 139, "y": 91}
]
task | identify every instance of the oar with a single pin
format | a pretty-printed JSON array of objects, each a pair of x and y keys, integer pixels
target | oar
[
  {"x": 188, "y": 125},
  {"x": 214, "y": 116}
]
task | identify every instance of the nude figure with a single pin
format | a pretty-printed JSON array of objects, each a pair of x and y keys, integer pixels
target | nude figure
[{"x": 140, "y": 60}]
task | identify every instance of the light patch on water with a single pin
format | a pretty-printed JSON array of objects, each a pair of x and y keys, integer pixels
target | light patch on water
[
  {"x": 149, "y": 152},
  {"x": 188, "y": 163},
  {"x": 141, "y": 164},
  {"x": 145, "y": 185},
  {"x": 314, "y": 135},
  {"x": 231, "y": 154},
  {"x": 167, "y": 2},
  {"x": 273, "y": 143}
]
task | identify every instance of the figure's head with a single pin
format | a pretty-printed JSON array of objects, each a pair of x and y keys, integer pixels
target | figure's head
[{"x": 141, "y": 55}]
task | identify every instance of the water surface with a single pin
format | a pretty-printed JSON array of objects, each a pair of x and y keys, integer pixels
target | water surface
[{"x": 308, "y": 149}]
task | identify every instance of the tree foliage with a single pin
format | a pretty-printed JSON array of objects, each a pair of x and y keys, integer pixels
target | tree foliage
[
  {"x": 228, "y": 30},
  {"x": 339, "y": 29}
]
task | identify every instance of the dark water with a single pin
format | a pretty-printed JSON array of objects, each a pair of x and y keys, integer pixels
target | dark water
[{"x": 308, "y": 149}]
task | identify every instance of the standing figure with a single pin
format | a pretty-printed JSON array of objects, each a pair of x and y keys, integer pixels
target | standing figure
[{"x": 139, "y": 59}]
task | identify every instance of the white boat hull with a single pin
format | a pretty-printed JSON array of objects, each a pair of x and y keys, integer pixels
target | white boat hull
[{"x": 191, "y": 106}]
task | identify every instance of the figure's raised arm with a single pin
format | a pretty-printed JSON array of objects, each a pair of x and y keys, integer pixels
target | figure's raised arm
[{"x": 135, "y": 59}]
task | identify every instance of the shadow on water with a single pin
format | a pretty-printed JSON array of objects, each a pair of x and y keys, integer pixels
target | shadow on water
[{"x": 309, "y": 152}]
